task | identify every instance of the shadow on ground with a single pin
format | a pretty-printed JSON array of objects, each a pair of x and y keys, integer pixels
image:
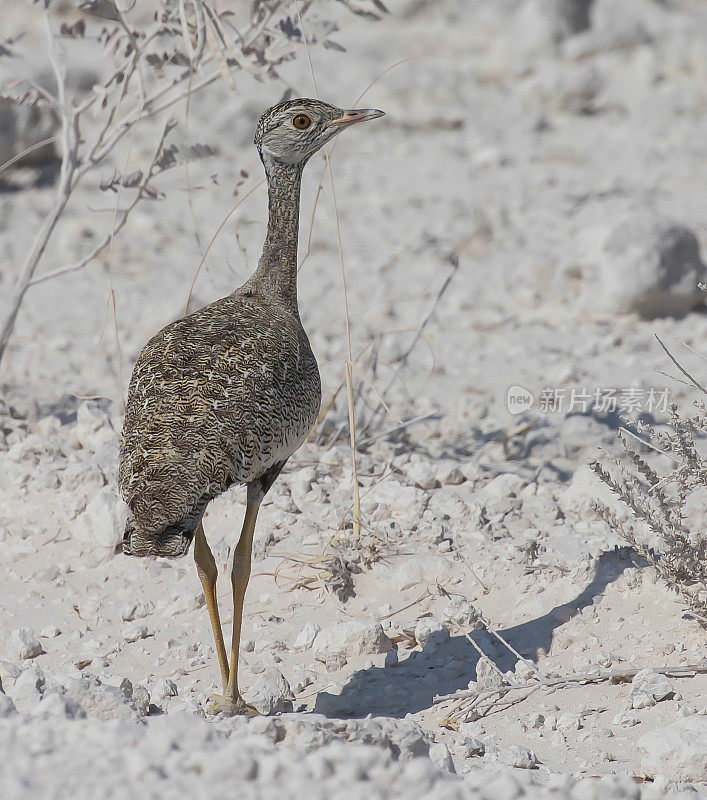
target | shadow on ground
[{"x": 410, "y": 686}]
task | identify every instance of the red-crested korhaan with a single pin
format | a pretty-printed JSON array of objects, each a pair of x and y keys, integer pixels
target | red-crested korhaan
[{"x": 225, "y": 395}]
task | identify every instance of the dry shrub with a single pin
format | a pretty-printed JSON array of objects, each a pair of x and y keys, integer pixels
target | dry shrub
[{"x": 660, "y": 504}]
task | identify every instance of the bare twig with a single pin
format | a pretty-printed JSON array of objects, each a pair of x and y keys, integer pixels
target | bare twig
[
  {"x": 692, "y": 380},
  {"x": 70, "y": 145},
  {"x": 467, "y": 704}
]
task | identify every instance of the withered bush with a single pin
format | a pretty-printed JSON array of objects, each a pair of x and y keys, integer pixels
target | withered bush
[{"x": 662, "y": 504}]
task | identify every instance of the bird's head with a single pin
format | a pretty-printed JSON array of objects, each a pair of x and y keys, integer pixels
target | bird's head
[{"x": 292, "y": 131}]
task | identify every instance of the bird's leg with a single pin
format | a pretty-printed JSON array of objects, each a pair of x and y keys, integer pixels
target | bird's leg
[
  {"x": 231, "y": 701},
  {"x": 207, "y": 571}
]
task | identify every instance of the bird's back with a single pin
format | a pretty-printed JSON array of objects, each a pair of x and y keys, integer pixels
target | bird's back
[{"x": 215, "y": 398}]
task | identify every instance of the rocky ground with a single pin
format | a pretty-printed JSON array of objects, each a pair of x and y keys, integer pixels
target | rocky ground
[{"x": 538, "y": 198}]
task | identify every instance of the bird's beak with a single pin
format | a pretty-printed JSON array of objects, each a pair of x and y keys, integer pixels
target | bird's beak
[{"x": 354, "y": 115}]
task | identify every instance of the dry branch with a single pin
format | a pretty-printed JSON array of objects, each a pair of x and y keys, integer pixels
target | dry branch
[
  {"x": 471, "y": 704},
  {"x": 119, "y": 109}
]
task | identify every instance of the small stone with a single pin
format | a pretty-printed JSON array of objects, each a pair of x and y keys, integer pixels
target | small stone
[
  {"x": 141, "y": 700},
  {"x": 429, "y": 630},
  {"x": 9, "y": 673},
  {"x": 460, "y": 611},
  {"x": 626, "y": 720},
  {"x": 57, "y": 706},
  {"x": 519, "y": 757},
  {"x": 334, "y": 661},
  {"x": 164, "y": 688},
  {"x": 508, "y": 484},
  {"x": 439, "y": 756},
  {"x": 103, "y": 522},
  {"x": 27, "y": 689},
  {"x": 23, "y": 643},
  {"x": 568, "y": 722},
  {"x": 677, "y": 751},
  {"x": 357, "y": 637},
  {"x": 185, "y": 600},
  {"x": 305, "y": 638},
  {"x": 50, "y": 632},
  {"x": 536, "y": 721},
  {"x": 136, "y": 610},
  {"x": 421, "y": 474},
  {"x": 272, "y": 694},
  {"x": 649, "y": 687},
  {"x": 133, "y": 631},
  {"x": 524, "y": 670},
  {"x": 651, "y": 266},
  {"x": 450, "y": 476},
  {"x": 487, "y": 676},
  {"x": 468, "y": 747}
]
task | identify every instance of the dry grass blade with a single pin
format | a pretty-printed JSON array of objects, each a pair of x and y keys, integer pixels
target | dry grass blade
[
  {"x": 213, "y": 239},
  {"x": 692, "y": 380}
]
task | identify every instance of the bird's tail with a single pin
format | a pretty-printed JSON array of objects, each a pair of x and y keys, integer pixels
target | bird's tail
[{"x": 171, "y": 542}]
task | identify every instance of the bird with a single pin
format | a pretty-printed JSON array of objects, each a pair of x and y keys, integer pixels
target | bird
[{"x": 225, "y": 395}]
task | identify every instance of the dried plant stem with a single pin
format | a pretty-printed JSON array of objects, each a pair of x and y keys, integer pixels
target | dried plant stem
[
  {"x": 70, "y": 145},
  {"x": 352, "y": 440},
  {"x": 118, "y": 225},
  {"x": 467, "y": 703},
  {"x": 692, "y": 380},
  {"x": 213, "y": 239}
]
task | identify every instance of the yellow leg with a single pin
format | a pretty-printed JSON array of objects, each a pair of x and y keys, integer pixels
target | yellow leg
[
  {"x": 231, "y": 701},
  {"x": 207, "y": 571}
]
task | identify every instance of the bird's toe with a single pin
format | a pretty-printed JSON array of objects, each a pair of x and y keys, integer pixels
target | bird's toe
[{"x": 230, "y": 706}]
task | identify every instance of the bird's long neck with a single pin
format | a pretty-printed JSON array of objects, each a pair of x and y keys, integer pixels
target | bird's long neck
[{"x": 276, "y": 274}]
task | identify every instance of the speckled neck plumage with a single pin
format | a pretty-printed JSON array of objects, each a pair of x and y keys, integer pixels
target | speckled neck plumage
[{"x": 276, "y": 275}]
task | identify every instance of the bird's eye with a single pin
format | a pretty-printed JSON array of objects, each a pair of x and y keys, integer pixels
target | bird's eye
[{"x": 301, "y": 121}]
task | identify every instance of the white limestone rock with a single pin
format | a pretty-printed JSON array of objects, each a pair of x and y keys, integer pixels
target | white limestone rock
[
  {"x": 461, "y": 612},
  {"x": 23, "y": 643},
  {"x": 421, "y": 474},
  {"x": 516, "y": 756},
  {"x": 678, "y": 751},
  {"x": 133, "y": 631},
  {"x": 272, "y": 693},
  {"x": 354, "y": 638},
  {"x": 9, "y": 673},
  {"x": 441, "y": 757},
  {"x": 103, "y": 522},
  {"x": 57, "y": 706},
  {"x": 468, "y": 746},
  {"x": 650, "y": 266},
  {"x": 429, "y": 630},
  {"x": 164, "y": 688},
  {"x": 305, "y": 638},
  {"x": 28, "y": 689},
  {"x": 648, "y": 688}
]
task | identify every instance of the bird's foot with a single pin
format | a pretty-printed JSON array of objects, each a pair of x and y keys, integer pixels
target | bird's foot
[{"x": 230, "y": 706}]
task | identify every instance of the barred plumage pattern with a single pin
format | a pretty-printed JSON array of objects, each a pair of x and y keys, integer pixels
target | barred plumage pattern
[{"x": 215, "y": 399}]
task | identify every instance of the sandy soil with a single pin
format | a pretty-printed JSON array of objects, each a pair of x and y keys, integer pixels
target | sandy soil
[{"x": 506, "y": 155}]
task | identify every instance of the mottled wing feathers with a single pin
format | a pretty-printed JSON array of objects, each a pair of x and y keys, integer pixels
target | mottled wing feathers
[{"x": 214, "y": 399}]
